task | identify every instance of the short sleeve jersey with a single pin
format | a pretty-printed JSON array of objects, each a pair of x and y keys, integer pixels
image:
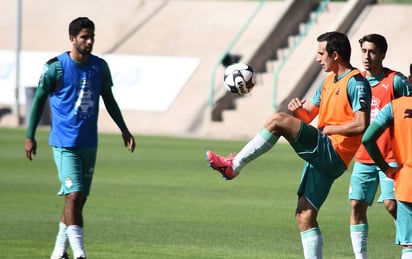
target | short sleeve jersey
[
  {"x": 385, "y": 87},
  {"x": 338, "y": 98},
  {"x": 75, "y": 90},
  {"x": 398, "y": 114}
]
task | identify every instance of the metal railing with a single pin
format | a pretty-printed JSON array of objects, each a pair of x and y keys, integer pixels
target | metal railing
[
  {"x": 322, "y": 6},
  {"x": 228, "y": 49}
]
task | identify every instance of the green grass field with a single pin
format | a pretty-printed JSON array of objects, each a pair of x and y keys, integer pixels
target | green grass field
[{"x": 163, "y": 201}]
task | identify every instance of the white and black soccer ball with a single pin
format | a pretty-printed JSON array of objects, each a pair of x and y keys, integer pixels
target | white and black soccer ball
[{"x": 239, "y": 78}]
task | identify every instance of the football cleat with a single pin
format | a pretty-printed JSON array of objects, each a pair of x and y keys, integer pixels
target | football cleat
[{"x": 224, "y": 165}]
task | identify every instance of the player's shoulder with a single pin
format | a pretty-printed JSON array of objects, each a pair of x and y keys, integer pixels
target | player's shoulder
[
  {"x": 358, "y": 77},
  {"x": 52, "y": 67},
  {"x": 98, "y": 58},
  {"x": 55, "y": 62},
  {"x": 52, "y": 61},
  {"x": 358, "y": 81}
]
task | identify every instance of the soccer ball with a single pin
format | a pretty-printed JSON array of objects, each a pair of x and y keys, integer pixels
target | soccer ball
[{"x": 239, "y": 78}]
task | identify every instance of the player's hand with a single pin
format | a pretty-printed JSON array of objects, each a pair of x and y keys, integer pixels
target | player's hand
[
  {"x": 391, "y": 172},
  {"x": 31, "y": 147},
  {"x": 128, "y": 140},
  {"x": 295, "y": 104}
]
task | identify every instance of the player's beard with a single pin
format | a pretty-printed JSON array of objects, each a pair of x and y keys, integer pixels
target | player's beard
[{"x": 83, "y": 51}]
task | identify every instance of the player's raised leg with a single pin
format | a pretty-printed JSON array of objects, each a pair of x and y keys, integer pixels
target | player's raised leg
[{"x": 279, "y": 124}]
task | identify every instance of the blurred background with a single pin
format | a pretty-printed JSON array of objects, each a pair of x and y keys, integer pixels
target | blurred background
[{"x": 168, "y": 57}]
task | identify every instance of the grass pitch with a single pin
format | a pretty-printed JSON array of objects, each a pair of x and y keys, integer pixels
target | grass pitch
[{"x": 163, "y": 201}]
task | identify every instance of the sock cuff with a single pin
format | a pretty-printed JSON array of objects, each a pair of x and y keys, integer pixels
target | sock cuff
[
  {"x": 62, "y": 225},
  {"x": 310, "y": 233},
  {"x": 406, "y": 250},
  {"x": 74, "y": 229},
  {"x": 359, "y": 227},
  {"x": 268, "y": 136}
]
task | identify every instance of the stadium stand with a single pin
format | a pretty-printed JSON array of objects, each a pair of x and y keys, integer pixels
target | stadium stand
[{"x": 200, "y": 30}]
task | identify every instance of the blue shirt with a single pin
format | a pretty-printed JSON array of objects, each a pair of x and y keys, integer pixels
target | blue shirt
[{"x": 74, "y": 100}]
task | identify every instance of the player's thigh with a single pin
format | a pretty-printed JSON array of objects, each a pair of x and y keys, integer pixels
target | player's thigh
[
  {"x": 306, "y": 140},
  {"x": 314, "y": 186},
  {"x": 387, "y": 185},
  {"x": 364, "y": 182},
  {"x": 284, "y": 124},
  {"x": 75, "y": 168},
  {"x": 69, "y": 167},
  {"x": 89, "y": 161},
  {"x": 317, "y": 149}
]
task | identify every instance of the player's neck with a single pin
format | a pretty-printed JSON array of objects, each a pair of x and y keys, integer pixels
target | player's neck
[
  {"x": 374, "y": 72},
  {"x": 78, "y": 57},
  {"x": 343, "y": 68}
]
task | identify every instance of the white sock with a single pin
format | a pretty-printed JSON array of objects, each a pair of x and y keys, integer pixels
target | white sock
[
  {"x": 406, "y": 253},
  {"x": 262, "y": 142},
  {"x": 75, "y": 234},
  {"x": 312, "y": 243},
  {"x": 359, "y": 238},
  {"x": 62, "y": 241}
]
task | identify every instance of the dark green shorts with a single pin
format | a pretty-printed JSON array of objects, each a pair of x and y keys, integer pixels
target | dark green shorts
[{"x": 323, "y": 165}]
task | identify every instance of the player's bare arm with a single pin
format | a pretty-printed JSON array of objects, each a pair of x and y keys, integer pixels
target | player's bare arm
[
  {"x": 352, "y": 128},
  {"x": 303, "y": 110}
]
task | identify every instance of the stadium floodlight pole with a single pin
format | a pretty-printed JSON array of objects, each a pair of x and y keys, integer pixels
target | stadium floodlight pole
[{"x": 18, "y": 49}]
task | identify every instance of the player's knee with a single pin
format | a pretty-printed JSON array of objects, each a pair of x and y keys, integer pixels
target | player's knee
[
  {"x": 75, "y": 198},
  {"x": 390, "y": 206},
  {"x": 359, "y": 206},
  {"x": 305, "y": 220},
  {"x": 277, "y": 121}
]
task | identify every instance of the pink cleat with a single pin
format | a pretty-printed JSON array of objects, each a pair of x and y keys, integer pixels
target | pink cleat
[{"x": 221, "y": 164}]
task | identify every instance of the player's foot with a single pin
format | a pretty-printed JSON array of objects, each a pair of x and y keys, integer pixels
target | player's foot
[{"x": 222, "y": 164}]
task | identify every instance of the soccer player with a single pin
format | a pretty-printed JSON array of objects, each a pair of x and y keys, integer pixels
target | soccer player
[
  {"x": 386, "y": 85},
  {"x": 396, "y": 115},
  {"x": 342, "y": 102},
  {"x": 74, "y": 80}
]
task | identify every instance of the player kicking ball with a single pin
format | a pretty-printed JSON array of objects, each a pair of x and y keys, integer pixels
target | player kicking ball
[{"x": 342, "y": 102}]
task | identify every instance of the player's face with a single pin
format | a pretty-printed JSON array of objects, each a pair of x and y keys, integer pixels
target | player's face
[
  {"x": 325, "y": 60},
  {"x": 84, "y": 41},
  {"x": 372, "y": 57}
]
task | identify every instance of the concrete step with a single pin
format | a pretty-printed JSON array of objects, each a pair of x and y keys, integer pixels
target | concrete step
[{"x": 255, "y": 108}]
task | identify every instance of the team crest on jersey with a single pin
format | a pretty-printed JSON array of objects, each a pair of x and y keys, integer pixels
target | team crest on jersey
[
  {"x": 408, "y": 113},
  {"x": 68, "y": 182},
  {"x": 86, "y": 99},
  {"x": 375, "y": 107},
  {"x": 337, "y": 91}
]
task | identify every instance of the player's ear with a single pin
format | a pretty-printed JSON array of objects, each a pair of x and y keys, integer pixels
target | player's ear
[{"x": 335, "y": 55}]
